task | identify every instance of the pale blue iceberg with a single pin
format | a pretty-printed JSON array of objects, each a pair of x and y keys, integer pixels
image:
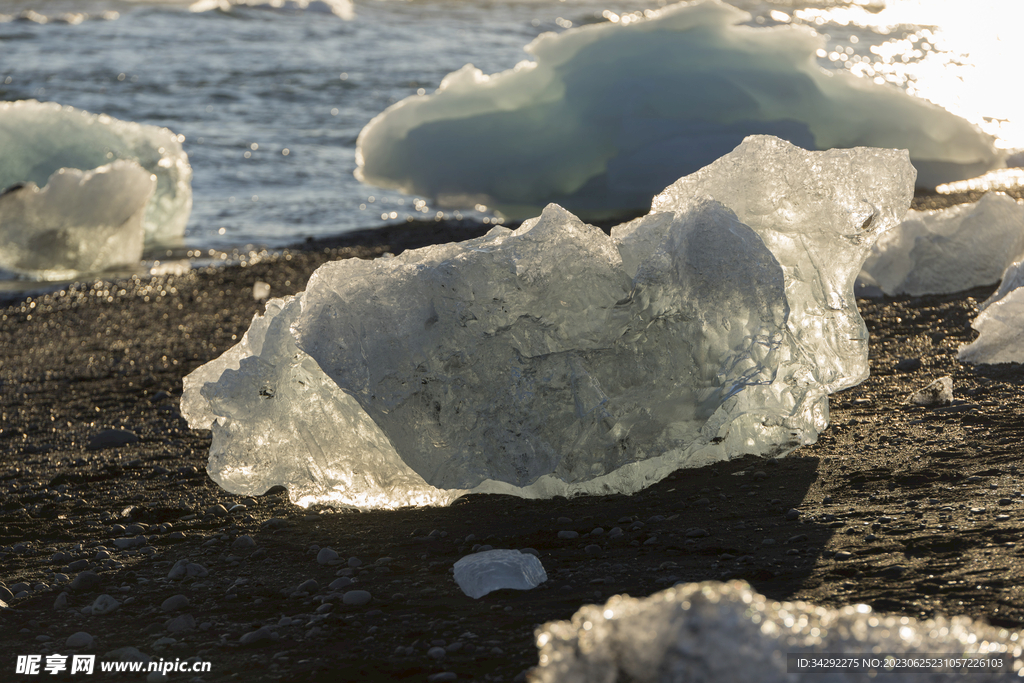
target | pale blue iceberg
[
  {"x": 491, "y": 570},
  {"x": 558, "y": 360},
  {"x": 605, "y": 116},
  {"x": 713, "y": 632},
  {"x": 40, "y": 138}
]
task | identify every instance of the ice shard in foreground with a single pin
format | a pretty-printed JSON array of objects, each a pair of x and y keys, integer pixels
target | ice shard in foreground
[
  {"x": 558, "y": 360},
  {"x": 41, "y": 140},
  {"x": 710, "y": 632}
]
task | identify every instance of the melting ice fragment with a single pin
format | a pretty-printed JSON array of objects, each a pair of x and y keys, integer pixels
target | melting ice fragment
[
  {"x": 938, "y": 393},
  {"x": 481, "y": 573},
  {"x": 556, "y": 359},
  {"x": 608, "y": 114},
  {"x": 43, "y": 141},
  {"x": 727, "y": 632},
  {"x": 81, "y": 221},
  {"x": 1000, "y": 324},
  {"x": 948, "y": 250}
]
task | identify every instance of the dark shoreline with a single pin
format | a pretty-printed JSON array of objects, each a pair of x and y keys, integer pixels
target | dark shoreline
[{"x": 101, "y": 356}]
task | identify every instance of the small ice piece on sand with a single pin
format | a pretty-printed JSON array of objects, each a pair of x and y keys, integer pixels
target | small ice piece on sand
[
  {"x": 260, "y": 290},
  {"x": 727, "y": 632},
  {"x": 480, "y": 573},
  {"x": 938, "y": 393}
]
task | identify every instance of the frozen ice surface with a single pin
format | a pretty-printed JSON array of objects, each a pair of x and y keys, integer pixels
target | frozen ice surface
[
  {"x": 81, "y": 221},
  {"x": 606, "y": 115},
  {"x": 40, "y": 138},
  {"x": 481, "y": 573},
  {"x": 712, "y": 632},
  {"x": 948, "y": 250},
  {"x": 556, "y": 359}
]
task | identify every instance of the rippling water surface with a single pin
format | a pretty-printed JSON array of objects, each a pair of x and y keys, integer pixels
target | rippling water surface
[{"x": 271, "y": 96}]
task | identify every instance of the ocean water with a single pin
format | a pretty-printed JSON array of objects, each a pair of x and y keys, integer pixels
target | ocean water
[{"x": 271, "y": 95}]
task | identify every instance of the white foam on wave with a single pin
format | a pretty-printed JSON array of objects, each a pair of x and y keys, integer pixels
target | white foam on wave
[{"x": 339, "y": 8}]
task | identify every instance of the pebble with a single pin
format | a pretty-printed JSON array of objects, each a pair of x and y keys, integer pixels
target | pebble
[
  {"x": 181, "y": 623},
  {"x": 443, "y": 677},
  {"x": 61, "y": 602},
  {"x": 593, "y": 549},
  {"x": 696, "y": 532},
  {"x": 80, "y": 639},
  {"x": 356, "y": 598},
  {"x": 243, "y": 543},
  {"x": 111, "y": 438},
  {"x": 437, "y": 653},
  {"x": 326, "y": 556},
  {"x": 793, "y": 515},
  {"x": 260, "y": 635},
  {"x": 5, "y": 593},
  {"x": 104, "y": 604},
  {"x": 568, "y": 535},
  {"x": 184, "y": 568},
  {"x": 339, "y": 583},
  {"x": 843, "y": 555},
  {"x": 174, "y": 603},
  {"x": 354, "y": 562},
  {"x": 86, "y": 581},
  {"x": 308, "y": 586}
]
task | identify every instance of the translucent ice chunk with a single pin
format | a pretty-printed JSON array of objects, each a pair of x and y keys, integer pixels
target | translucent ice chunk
[
  {"x": 481, "y": 573},
  {"x": 39, "y": 138},
  {"x": 606, "y": 115},
  {"x": 726, "y": 632},
  {"x": 557, "y": 360},
  {"x": 948, "y": 250},
  {"x": 999, "y": 328},
  {"x": 80, "y": 221},
  {"x": 938, "y": 393}
]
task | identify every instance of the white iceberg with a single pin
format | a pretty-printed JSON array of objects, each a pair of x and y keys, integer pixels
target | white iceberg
[
  {"x": 491, "y": 570},
  {"x": 81, "y": 221},
  {"x": 606, "y": 115},
  {"x": 558, "y": 360},
  {"x": 39, "y": 139},
  {"x": 712, "y": 632},
  {"x": 1000, "y": 324},
  {"x": 948, "y": 250}
]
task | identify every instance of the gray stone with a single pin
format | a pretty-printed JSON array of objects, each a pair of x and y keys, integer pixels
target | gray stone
[{"x": 174, "y": 603}]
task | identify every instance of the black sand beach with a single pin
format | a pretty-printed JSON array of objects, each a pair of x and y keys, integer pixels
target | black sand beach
[{"x": 914, "y": 511}]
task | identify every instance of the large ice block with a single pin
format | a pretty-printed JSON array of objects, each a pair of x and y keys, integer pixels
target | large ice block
[
  {"x": 948, "y": 250},
  {"x": 711, "y": 632},
  {"x": 39, "y": 138},
  {"x": 555, "y": 359},
  {"x": 81, "y": 221},
  {"x": 604, "y": 116}
]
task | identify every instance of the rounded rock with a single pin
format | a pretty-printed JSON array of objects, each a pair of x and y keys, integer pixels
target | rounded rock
[
  {"x": 326, "y": 556},
  {"x": 80, "y": 639},
  {"x": 356, "y": 598},
  {"x": 174, "y": 603}
]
